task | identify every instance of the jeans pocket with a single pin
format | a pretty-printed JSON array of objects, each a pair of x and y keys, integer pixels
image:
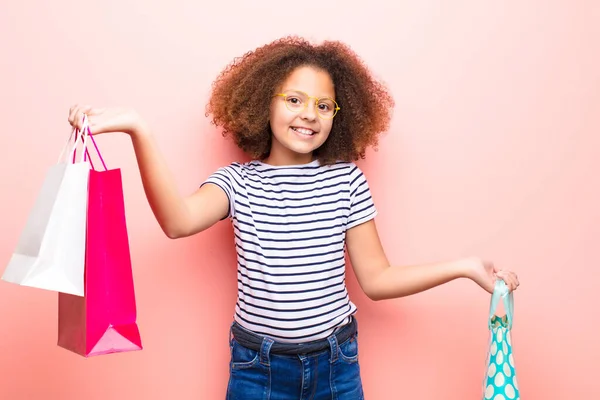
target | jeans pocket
[
  {"x": 248, "y": 378},
  {"x": 242, "y": 357},
  {"x": 348, "y": 351},
  {"x": 346, "y": 383}
]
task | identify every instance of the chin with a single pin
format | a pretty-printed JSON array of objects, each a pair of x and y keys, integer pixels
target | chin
[
  {"x": 304, "y": 150},
  {"x": 304, "y": 146}
]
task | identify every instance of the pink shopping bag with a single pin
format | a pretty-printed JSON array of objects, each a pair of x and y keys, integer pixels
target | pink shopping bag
[{"x": 103, "y": 321}]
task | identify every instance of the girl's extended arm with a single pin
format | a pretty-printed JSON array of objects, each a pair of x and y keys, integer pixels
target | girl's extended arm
[
  {"x": 178, "y": 216},
  {"x": 381, "y": 281}
]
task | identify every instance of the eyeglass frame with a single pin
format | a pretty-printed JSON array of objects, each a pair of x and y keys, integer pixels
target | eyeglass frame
[{"x": 336, "y": 109}]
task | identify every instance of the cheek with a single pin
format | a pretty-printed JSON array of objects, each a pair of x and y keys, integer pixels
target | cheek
[{"x": 279, "y": 119}]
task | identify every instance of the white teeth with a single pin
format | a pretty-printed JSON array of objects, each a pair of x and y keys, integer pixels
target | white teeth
[{"x": 304, "y": 131}]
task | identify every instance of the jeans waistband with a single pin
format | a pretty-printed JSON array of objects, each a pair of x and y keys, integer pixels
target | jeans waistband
[{"x": 253, "y": 341}]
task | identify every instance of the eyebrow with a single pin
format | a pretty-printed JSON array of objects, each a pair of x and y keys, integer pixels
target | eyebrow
[{"x": 302, "y": 92}]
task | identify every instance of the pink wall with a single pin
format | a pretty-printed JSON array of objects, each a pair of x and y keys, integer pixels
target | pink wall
[{"x": 491, "y": 153}]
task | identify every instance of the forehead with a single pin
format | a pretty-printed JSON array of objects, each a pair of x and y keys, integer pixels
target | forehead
[{"x": 313, "y": 81}]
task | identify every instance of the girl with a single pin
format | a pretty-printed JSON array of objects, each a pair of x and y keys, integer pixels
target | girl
[{"x": 304, "y": 113}]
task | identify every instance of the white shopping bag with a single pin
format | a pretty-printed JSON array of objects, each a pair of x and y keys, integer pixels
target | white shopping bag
[{"x": 50, "y": 253}]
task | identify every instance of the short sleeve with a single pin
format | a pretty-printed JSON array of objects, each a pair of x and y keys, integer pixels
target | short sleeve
[
  {"x": 223, "y": 178},
  {"x": 362, "y": 207}
]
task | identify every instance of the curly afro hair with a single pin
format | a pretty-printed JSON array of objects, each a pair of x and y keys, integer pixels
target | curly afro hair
[{"x": 241, "y": 96}]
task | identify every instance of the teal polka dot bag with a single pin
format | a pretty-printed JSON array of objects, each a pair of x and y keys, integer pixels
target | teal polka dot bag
[{"x": 500, "y": 382}]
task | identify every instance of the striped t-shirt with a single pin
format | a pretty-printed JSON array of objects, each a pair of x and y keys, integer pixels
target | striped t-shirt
[{"x": 289, "y": 224}]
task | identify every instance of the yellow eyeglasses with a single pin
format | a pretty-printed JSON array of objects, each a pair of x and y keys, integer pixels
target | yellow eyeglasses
[{"x": 297, "y": 101}]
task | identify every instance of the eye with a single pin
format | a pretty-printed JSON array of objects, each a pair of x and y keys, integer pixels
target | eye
[
  {"x": 326, "y": 105},
  {"x": 293, "y": 100}
]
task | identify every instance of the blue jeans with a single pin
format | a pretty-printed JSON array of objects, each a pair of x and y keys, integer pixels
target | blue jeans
[{"x": 331, "y": 374}]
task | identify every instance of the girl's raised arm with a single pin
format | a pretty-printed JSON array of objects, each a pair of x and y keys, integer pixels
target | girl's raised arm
[{"x": 177, "y": 215}]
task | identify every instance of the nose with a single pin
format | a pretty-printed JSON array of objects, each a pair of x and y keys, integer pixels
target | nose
[{"x": 310, "y": 111}]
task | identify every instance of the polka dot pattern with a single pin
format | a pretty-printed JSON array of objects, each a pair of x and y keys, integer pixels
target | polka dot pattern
[{"x": 500, "y": 380}]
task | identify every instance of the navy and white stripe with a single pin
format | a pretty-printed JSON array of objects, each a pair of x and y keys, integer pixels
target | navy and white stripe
[{"x": 289, "y": 224}]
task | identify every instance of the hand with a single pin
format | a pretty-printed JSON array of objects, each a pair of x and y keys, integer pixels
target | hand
[
  {"x": 485, "y": 274},
  {"x": 104, "y": 120}
]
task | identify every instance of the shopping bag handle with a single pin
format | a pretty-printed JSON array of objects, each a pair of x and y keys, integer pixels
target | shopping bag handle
[
  {"x": 501, "y": 290},
  {"x": 83, "y": 137},
  {"x": 89, "y": 133},
  {"x": 85, "y": 132}
]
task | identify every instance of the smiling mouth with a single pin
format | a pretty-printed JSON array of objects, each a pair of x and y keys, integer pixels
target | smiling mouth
[{"x": 303, "y": 131}]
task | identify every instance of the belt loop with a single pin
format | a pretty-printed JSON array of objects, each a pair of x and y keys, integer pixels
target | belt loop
[
  {"x": 265, "y": 349},
  {"x": 231, "y": 334},
  {"x": 333, "y": 345}
]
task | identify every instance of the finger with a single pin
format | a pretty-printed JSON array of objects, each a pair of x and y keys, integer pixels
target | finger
[
  {"x": 516, "y": 282},
  {"x": 505, "y": 276},
  {"x": 516, "y": 278},
  {"x": 78, "y": 119},
  {"x": 513, "y": 279},
  {"x": 501, "y": 274},
  {"x": 75, "y": 122},
  {"x": 85, "y": 110},
  {"x": 75, "y": 113},
  {"x": 508, "y": 280},
  {"x": 72, "y": 113}
]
